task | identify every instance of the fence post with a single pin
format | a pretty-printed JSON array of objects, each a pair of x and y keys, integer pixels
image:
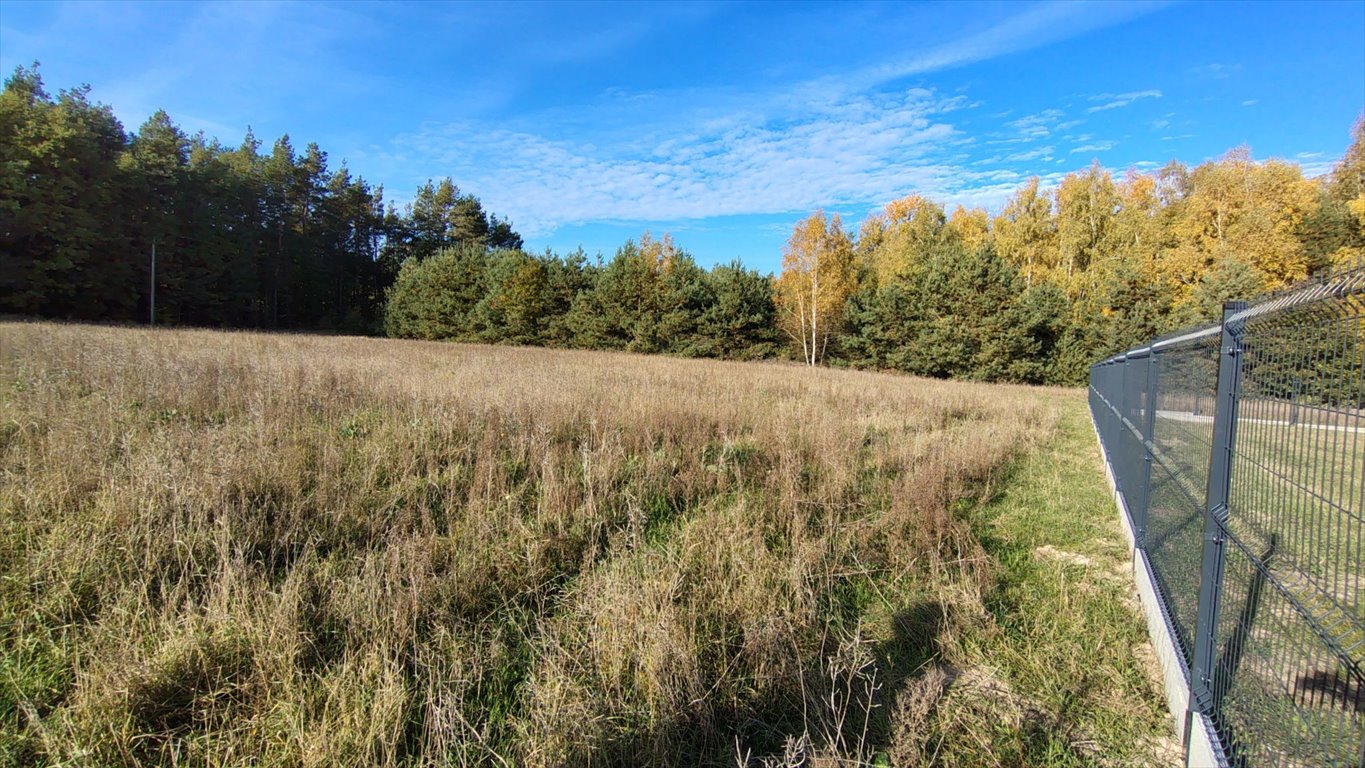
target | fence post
[
  {"x": 1294, "y": 401},
  {"x": 1125, "y": 411},
  {"x": 1148, "y": 436},
  {"x": 1115, "y": 422},
  {"x": 1215, "y": 516}
]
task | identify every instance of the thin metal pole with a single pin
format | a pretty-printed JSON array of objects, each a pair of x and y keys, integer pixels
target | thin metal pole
[
  {"x": 1294, "y": 401},
  {"x": 1215, "y": 517},
  {"x": 152, "y": 314},
  {"x": 1148, "y": 440}
]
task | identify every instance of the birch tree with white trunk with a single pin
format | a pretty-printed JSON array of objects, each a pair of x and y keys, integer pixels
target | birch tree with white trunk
[{"x": 818, "y": 275}]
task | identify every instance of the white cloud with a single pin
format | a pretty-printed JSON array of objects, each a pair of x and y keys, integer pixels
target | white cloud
[
  {"x": 1098, "y": 146},
  {"x": 1216, "y": 71},
  {"x": 1116, "y": 100},
  {"x": 855, "y": 151},
  {"x": 1041, "y": 153},
  {"x": 1316, "y": 169},
  {"x": 828, "y": 142},
  {"x": 1040, "y": 25},
  {"x": 992, "y": 196},
  {"x": 1035, "y": 126},
  {"x": 1251, "y": 102}
]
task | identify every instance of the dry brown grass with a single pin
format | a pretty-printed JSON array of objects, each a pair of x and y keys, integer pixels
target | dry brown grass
[{"x": 290, "y": 550}]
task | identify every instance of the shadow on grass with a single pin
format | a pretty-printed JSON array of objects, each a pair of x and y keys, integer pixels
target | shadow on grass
[{"x": 790, "y": 722}]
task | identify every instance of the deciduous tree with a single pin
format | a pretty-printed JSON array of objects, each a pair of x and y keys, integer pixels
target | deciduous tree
[
  {"x": 1025, "y": 232},
  {"x": 817, "y": 278}
]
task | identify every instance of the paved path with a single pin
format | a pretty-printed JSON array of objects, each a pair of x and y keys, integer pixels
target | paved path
[{"x": 1202, "y": 419}]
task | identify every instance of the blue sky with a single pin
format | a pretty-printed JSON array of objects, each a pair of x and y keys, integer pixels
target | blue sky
[{"x": 723, "y": 123}]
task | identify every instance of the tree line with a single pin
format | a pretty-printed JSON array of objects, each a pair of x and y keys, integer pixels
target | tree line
[
  {"x": 1063, "y": 277},
  {"x": 650, "y": 297},
  {"x": 244, "y": 238},
  {"x": 1058, "y": 279}
]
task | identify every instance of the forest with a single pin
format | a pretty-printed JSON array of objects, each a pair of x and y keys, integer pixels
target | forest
[{"x": 244, "y": 238}]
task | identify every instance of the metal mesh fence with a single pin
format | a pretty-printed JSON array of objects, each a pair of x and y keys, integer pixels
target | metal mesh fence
[{"x": 1238, "y": 451}]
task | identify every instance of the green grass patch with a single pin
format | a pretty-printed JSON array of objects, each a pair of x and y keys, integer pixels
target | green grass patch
[{"x": 1070, "y": 644}]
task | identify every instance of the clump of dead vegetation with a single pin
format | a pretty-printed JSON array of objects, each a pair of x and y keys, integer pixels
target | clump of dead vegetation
[{"x": 288, "y": 550}]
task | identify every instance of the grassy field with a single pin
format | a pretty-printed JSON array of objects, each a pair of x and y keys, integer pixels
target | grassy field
[{"x": 227, "y": 548}]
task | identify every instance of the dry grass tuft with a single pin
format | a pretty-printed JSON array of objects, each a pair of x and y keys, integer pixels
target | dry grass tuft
[
  {"x": 290, "y": 550},
  {"x": 912, "y": 716}
]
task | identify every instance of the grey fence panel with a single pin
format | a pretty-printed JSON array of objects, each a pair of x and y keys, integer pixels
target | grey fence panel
[
  {"x": 1262, "y": 594},
  {"x": 1182, "y": 440}
]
